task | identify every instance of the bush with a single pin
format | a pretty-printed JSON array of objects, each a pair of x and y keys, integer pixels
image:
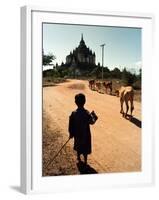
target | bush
[
  {"x": 137, "y": 85},
  {"x": 116, "y": 73}
]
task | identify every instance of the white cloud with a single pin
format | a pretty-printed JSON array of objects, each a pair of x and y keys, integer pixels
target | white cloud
[
  {"x": 138, "y": 64},
  {"x": 136, "y": 67}
]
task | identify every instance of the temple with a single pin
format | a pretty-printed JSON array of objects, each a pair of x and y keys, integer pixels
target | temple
[{"x": 81, "y": 56}]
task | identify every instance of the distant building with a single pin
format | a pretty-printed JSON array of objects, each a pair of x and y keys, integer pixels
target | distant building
[{"x": 81, "y": 56}]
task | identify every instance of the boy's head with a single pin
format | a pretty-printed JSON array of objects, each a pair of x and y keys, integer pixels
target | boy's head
[{"x": 80, "y": 99}]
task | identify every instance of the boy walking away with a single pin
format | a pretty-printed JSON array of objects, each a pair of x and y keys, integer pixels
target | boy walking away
[{"x": 79, "y": 127}]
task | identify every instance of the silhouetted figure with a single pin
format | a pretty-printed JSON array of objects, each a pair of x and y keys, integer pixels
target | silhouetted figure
[{"x": 79, "y": 127}]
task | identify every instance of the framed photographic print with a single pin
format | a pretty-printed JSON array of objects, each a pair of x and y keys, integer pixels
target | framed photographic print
[{"x": 86, "y": 100}]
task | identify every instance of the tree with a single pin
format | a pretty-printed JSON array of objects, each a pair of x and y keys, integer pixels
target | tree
[
  {"x": 116, "y": 73},
  {"x": 98, "y": 72},
  {"x": 47, "y": 59},
  {"x": 137, "y": 83},
  {"x": 140, "y": 72},
  {"x": 106, "y": 72},
  {"x": 127, "y": 77}
]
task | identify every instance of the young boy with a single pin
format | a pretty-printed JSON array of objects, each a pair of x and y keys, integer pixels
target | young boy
[{"x": 79, "y": 127}]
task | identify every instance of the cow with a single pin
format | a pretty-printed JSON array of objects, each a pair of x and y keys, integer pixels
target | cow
[
  {"x": 108, "y": 85},
  {"x": 98, "y": 86},
  {"x": 92, "y": 84},
  {"x": 126, "y": 95}
]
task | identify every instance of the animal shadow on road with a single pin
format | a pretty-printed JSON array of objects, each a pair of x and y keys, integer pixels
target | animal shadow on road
[
  {"x": 136, "y": 121},
  {"x": 85, "y": 169}
]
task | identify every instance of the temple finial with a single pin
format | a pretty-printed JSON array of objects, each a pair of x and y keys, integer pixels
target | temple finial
[{"x": 82, "y": 36}]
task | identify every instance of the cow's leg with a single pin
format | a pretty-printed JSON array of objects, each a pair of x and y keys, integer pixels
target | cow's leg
[
  {"x": 99, "y": 88},
  {"x": 132, "y": 108},
  {"x": 110, "y": 90},
  {"x": 127, "y": 108},
  {"x": 105, "y": 89},
  {"x": 95, "y": 87},
  {"x": 121, "y": 103}
]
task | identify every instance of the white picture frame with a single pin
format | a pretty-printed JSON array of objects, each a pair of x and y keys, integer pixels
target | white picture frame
[{"x": 31, "y": 100}]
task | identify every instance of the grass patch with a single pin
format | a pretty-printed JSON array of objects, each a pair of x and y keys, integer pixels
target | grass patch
[
  {"x": 52, "y": 81},
  {"x": 52, "y": 140},
  {"x": 77, "y": 86}
]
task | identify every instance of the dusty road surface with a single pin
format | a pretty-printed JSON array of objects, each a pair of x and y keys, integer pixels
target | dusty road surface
[{"x": 116, "y": 142}]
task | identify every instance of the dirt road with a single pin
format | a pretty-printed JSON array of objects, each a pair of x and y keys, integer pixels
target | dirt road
[{"x": 116, "y": 141}]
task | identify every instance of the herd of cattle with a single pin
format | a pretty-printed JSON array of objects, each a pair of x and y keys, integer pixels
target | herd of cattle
[
  {"x": 98, "y": 85},
  {"x": 126, "y": 94}
]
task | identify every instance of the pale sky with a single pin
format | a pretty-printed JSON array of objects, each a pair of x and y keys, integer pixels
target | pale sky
[{"x": 122, "y": 49}]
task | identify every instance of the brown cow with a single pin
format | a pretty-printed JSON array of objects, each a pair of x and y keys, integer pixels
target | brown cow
[
  {"x": 108, "y": 85},
  {"x": 98, "y": 86},
  {"x": 126, "y": 94},
  {"x": 92, "y": 84}
]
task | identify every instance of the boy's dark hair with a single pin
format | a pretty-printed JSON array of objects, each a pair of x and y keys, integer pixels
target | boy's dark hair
[{"x": 80, "y": 99}]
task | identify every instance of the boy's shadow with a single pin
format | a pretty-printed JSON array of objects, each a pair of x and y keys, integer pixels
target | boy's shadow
[{"x": 85, "y": 169}]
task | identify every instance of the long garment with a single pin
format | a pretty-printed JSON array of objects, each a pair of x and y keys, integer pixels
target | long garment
[{"x": 79, "y": 128}]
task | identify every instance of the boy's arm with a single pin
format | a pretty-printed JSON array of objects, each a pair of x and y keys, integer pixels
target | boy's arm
[{"x": 71, "y": 127}]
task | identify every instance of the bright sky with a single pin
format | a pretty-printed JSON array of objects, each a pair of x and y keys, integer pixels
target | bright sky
[{"x": 122, "y": 49}]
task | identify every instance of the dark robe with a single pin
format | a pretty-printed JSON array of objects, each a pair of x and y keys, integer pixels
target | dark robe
[{"x": 79, "y": 128}]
